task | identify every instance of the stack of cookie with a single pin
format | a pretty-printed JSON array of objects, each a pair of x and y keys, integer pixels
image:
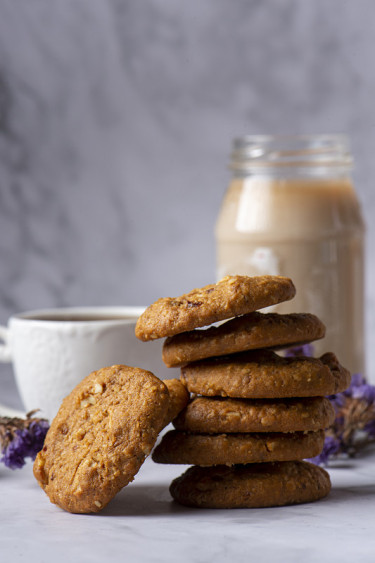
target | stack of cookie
[{"x": 254, "y": 415}]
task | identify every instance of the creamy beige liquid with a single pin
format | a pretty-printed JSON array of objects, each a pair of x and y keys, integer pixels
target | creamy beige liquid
[{"x": 310, "y": 230}]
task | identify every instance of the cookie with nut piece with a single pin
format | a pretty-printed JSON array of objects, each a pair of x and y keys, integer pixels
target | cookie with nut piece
[
  {"x": 263, "y": 374},
  {"x": 230, "y": 297},
  {"x": 247, "y": 332},
  {"x": 213, "y": 415},
  {"x": 240, "y": 448},
  {"x": 257, "y": 485},
  {"x": 100, "y": 437}
]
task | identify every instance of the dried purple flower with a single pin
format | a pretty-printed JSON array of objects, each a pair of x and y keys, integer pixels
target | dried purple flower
[
  {"x": 354, "y": 426},
  {"x": 303, "y": 350},
  {"x": 365, "y": 392},
  {"x": 356, "y": 380},
  {"x": 331, "y": 447},
  {"x": 21, "y": 438}
]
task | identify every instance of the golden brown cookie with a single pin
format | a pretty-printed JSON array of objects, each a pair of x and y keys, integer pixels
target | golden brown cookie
[
  {"x": 232, "y": 296},
  {"x": 251, "y": 486},
  {"x": 230, "y": 449},
  {"x": 179, "y": 398},
  {"x": 100, "y": 437},
  {"x": 249, "y": 332},
  {"x": 263, "y": 374},
  {"x": 215, "y": 415}
]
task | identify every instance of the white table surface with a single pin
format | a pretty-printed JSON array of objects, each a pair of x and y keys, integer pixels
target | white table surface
[{"x": 143, "y": 524}]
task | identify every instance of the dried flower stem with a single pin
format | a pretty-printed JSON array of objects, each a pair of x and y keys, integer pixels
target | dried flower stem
[{"x": 21, "y": 438}]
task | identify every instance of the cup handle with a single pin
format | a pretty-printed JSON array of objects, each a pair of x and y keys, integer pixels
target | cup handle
[
  {"x": 5, "y": 353},
  {"x": 6, "y": 356}
]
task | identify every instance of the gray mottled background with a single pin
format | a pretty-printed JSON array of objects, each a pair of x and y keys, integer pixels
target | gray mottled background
[{"x": 116, "y": 119}]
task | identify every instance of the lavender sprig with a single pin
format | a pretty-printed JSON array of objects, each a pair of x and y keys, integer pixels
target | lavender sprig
[
  {"x": 302, "y": 350},
  {"x": 354, "y": 425},
  {"x": 21, "y": 438}
]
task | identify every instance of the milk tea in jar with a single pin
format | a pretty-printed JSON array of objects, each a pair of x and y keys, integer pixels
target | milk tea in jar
[{"x": 291, "y": 210}]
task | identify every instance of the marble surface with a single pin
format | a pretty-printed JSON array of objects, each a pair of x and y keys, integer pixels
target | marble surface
[
  {"x": 143, "y": 524},
  {"x": 116, "y": 120}
]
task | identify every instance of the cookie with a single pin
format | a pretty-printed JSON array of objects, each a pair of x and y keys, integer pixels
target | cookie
[
  {"x": 100, "y": 437},
  {"x": 248, "y": 332},
  {"x": 263, "y": 374},
  {"x": 230, "y": 449},
  {"x": 179, "y": 397},
  {"x": 251, "y": 486},
  {"x": 230, "y": 297},
  {"x": 215, "y": 415}
]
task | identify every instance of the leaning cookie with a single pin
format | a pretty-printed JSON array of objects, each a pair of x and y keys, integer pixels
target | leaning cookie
[
  {"x": 263, "y": 374},
  {"x": 230, "y": 449},
  {"x": 179, "y": 398},
  {"x": 100, "y": 437},
  {"x": 230, "y": 297},
  {"x": 251, "y": 486},
  {"x": 248, "y": 332},
  {"x": 216, "y": 415}
]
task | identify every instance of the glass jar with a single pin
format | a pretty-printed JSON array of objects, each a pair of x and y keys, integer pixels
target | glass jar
[{"x": 291, "y": 210}]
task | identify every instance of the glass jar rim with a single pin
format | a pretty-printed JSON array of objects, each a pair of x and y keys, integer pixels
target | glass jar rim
[{"x": 268, "y": 151}]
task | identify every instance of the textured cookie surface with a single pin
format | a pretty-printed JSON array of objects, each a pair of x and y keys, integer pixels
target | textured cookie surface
[
  {"x": 230, "y": 449},
  {"x": 216, "y": 415},
  {"x": 230, "y": 297},
  {"x": 264, "y": 374},
  {"x": 248, "y": 332},
  {"x": 251, "y": 486},
  {"x": 100, "y": 437}
]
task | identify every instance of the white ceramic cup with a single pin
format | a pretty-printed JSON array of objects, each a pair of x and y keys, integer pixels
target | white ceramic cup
[{"x": 53, "y": 349}]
